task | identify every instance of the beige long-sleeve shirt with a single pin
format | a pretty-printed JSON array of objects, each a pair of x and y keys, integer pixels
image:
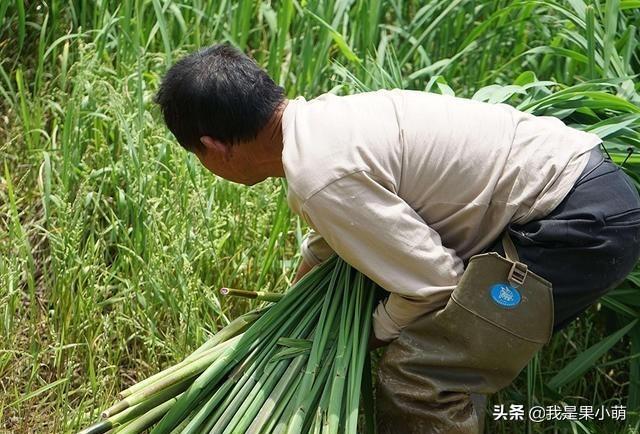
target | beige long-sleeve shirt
[{"x": 405, "y": 185}]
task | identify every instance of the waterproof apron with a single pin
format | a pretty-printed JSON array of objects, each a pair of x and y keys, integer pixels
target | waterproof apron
[{"x": 499, "y": 315}]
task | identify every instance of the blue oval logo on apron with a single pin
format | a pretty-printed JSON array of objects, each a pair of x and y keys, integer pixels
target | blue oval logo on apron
[{"x": 505, "y": 295}]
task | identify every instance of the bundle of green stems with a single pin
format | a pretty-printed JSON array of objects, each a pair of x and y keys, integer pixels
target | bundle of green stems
[{"x": 298, "y": 365}]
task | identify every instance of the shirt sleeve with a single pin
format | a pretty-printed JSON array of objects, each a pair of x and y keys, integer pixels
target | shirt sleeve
[
  {"x": 315, "y": 249},
  {"x": 378, "y": 233}
]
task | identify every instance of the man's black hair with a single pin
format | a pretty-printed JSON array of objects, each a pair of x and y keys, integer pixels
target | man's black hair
[{"x": 218, "y": 92}]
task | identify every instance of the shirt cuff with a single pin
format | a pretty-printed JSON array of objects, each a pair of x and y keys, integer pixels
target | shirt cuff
[{"x": 384, "y": 328}]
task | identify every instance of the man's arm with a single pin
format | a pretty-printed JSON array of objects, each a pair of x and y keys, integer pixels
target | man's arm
[
  {"x": 315, "y": 250},
  {"x": 382, "y": 236},
  {"x": 303, "y": 269}
]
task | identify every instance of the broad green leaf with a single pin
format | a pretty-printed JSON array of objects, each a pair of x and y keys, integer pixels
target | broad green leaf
[
  {"x": 629, "y": 4},
  {"x": 587, "y": 359}
]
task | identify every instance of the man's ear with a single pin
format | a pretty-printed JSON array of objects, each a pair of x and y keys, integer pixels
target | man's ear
[{"x": 216, "y": 146}]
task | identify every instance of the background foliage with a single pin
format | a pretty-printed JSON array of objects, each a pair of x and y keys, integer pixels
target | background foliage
[{"x": 113, "y": 240}]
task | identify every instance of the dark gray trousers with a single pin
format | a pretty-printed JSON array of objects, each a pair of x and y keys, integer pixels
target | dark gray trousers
[{"x": 589, "y": 243}]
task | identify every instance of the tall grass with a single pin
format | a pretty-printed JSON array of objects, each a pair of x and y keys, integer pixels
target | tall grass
[{"x": 113, "y": 240}]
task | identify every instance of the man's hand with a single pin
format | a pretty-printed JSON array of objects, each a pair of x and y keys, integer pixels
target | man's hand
[
  {"x": 303, "y": 269},
  {"x": 375, "y": 343}
]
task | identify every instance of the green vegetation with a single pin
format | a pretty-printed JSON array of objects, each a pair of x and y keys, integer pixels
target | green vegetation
[
  {"x": 114, "y": 241},
  {"x": 296, "y": 367}
]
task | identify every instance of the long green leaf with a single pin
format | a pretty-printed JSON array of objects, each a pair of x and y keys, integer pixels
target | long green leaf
[{"x": 587, "y": 358}]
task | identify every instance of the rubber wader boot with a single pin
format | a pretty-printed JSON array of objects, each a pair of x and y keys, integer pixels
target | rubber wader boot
[{"x": 497, "y": 318}]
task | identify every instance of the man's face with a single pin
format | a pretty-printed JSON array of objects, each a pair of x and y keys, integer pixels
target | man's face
[{"x": 232, "y": 163}]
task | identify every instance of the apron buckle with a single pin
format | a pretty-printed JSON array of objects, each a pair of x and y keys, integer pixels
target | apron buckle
[{"x": 518, "y": 273}]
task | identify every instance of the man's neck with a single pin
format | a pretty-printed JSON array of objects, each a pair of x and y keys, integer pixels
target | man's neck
[{"x": 270, "y": 143}]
